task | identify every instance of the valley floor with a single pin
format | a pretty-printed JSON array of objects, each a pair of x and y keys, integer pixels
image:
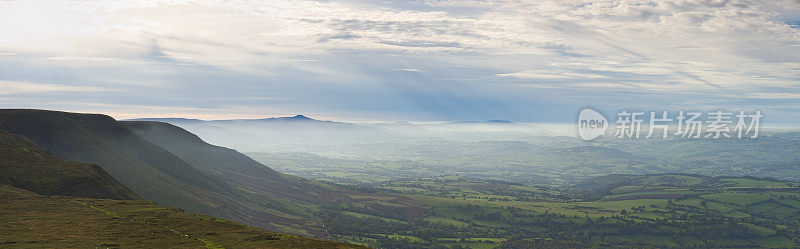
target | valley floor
[{"x": 643, "y": 211}]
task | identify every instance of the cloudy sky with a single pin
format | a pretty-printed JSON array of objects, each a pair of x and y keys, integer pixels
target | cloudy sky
[{"x": 422, "y": 60}]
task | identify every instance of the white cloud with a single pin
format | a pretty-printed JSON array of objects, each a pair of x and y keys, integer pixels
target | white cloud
[
  {"x": 13, "y": 87},
  {"x": 711, "y": 49}
]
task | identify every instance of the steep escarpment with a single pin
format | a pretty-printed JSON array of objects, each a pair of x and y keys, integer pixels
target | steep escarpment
[
  {"x": 25, "y": 165},
  {"x": 152, "y": 171}
]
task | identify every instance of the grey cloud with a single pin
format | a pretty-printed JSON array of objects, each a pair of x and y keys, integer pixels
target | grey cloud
[
  {"x": 422, "y": 44},
  {"x": 562, "y": 49},
  {"x": 345, "y": 36}
]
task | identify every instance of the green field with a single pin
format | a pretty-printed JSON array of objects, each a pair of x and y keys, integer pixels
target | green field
[{"x": 654, "y": 210}]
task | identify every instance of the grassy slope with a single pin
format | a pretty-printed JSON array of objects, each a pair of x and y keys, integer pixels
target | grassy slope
[
  {"x": 34, "y": 221},
  {"x": 28, "y": 166}
]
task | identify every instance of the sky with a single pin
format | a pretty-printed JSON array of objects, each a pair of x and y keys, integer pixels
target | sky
[{"x": 424, "y": 60}]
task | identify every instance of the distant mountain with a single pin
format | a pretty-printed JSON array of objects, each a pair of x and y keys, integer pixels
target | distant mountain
[
  {"x": 494, "y": 121},
  {"x": 280, "y": 133},
  {"x": 25, "y": 165},
  {"x": 302, "y": 133},
  {"x": 190, "y": 120},
  {"x": 498, "y": 121},
  {"x": 300, "y": 118}
]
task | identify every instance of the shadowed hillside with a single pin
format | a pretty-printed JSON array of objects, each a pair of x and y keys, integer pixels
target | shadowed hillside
[
  {"x": 27, "y": 166},
  {"x": 153, "y": 172}
]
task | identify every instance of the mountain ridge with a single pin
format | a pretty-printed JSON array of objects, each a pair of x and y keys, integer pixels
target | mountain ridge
[
  {"x": 152, "y": 171},
  {"x": 173, "y": 167},
  {"x": 298, "y": 117}
]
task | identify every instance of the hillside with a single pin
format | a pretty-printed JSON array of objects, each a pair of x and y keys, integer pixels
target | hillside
[
  {"x": 101, "y": 223},
  {"x": 228, "y": 164},
  {"x": 297, "y": 196},
  {"x": 153, "y": 172},
  {"x": 172, "y": 167},
  {"x": 25, "y": 165}
]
